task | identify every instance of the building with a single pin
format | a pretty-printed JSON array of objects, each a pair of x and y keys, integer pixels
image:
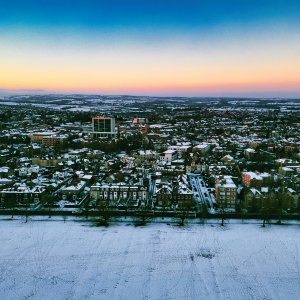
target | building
[
  {"x": 5, "y": 172},
  {"x": 37, "y": 137},
  {"x": 104, "y": 127},
  {"x": 255, "y": 179},
  {"x": 202, "y": 148},
  {"x": 145, "y": 155},
  {"x": 46, "y": 161},
  {"x": 49, "y": 138},
  {"x": 274, "y": 199},
  {"x": 184, "y": 197},
  {"x": 170, "y": 155},
  {"x": 74, "y": 192},
  {"x": 119, "y": 195},
  {"x": 21, "y": 195},
  {"x": 287, "y": 171},
  {"x": 139, "y": 121},
  {"x": 226, "y": 192},
  {"x": 174, "y": 196},
  {"x": 252, "y": 200},
  {"x": 180, "y": 148},
  {"x": 249, "y": 153},
  {"x": 56, "y": 141}
]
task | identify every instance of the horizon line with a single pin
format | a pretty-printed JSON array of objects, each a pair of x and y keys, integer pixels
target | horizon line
[{"x": 41, "y": 92}]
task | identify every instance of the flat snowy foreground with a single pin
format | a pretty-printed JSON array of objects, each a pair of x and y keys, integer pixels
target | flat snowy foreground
[{"x": 77, "y": 260}]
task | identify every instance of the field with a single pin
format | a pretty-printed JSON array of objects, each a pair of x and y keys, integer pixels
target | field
[{"x": 52, "y": 259}]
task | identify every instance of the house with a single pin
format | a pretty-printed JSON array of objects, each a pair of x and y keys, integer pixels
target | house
[
  {"x": 170, "y": 155},
  {"x": 202, "y": 148},
  {"x": 249, "y": 153},
  {"x": 256, "y": 179},
  {"x": 116, "y": 195},
  {"x": 73, "y": 192},
  {"x": 21, "y": 195},
  {"x": 174, "y": 196}
]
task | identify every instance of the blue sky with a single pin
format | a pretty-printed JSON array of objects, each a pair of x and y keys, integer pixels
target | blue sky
[{"x": 191, "y": 15}]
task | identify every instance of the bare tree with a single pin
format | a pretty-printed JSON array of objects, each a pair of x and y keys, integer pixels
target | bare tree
[
  {"x": 265, "y": 210},
  {"x": 222, "y": 213},
  {"x": 104, "y": 208}
]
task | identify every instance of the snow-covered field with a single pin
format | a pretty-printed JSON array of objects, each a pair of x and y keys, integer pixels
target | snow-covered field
[{"x": 50, "y": 259}]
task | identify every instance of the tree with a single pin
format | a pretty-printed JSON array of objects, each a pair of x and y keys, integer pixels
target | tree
[
  {"x": 222, "y": 215},
  {"x": 104, "y": 209},
  {"x": 265, "y": 209},
  {"x": 203, "y": 212},
  {"x": 47, "y": 199}
]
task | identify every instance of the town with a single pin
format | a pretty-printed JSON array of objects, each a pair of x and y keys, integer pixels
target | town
[{"x": 148, "y": 156}]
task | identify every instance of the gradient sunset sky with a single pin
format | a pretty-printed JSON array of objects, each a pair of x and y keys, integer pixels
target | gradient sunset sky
[{"x": 157, "y": 47}]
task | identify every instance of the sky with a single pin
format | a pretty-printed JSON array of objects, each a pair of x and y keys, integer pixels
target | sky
[{"x": 158, "y": 47}]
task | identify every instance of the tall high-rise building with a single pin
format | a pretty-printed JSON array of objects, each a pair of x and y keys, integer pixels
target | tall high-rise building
[{"x": 104, "y": 126}]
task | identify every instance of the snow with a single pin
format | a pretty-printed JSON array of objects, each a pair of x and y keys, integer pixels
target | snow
[{"x": 52, "y": 259}]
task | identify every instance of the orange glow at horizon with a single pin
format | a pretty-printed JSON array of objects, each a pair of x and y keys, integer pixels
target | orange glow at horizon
[{"x": 252, "y": 66}]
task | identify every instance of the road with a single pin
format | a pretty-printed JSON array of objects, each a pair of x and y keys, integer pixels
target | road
[
  {"x": 152, "y": 191},
  {"x": 200, "y": 191}
]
